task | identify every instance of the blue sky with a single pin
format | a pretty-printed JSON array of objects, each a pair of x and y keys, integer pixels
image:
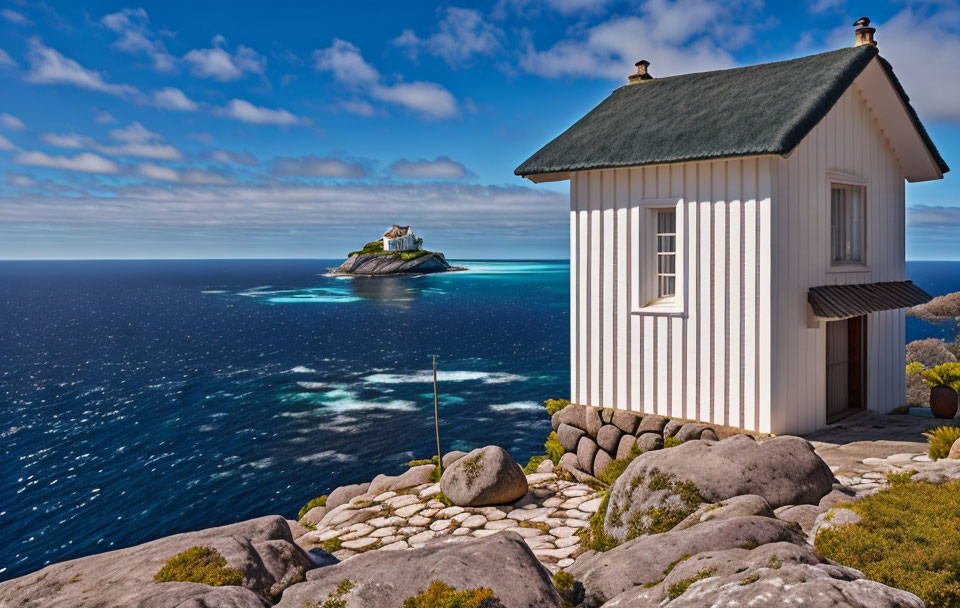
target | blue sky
[{"x": 296, "y": 129}]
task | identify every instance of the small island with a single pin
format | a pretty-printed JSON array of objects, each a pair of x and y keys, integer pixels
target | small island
[{"x": 399, "y": 251}]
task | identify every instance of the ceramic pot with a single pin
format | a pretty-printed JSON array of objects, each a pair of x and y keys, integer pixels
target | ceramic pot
[{"x": 943, "y": 401}]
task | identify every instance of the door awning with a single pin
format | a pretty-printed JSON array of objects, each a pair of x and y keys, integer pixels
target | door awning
[{"x": 845, "y": 301}]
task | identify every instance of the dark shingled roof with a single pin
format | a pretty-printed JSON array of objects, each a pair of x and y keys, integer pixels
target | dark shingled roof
[
  {"x": 843, "y": 301},
  {"x": 748, "y": 111}
]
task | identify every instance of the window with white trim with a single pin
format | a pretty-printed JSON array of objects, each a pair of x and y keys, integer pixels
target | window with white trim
[
  {"x": 847, "y": 208},
  {"x": 666, "y": 258}
]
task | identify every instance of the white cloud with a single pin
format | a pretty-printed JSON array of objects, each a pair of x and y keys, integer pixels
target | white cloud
[
  {"x": 228, "y": 157},
  {"x": 134, "y": 133},
  {"x": 66, "y": 140},
  {"x": 313, "y": 166},
  {"x": 48, "y": 66},
  {"x": 6, "y": 144},
  {"x": 135, "y": 37},
  {"x": 6, "y": 61},
  {"x": 204, "y": 137},
  {"x": 244, "y": 111},
  {"x": 84, "y": 162},
  {"x": 19, "y": 179},
  {"x": 359, "y": 107},
  {"x": 564, "y": 7},
  {"x": 351, "y": 70},
  {"x": 11, "y": 122},
  {"x": 440, "y": 168},
  {"x": 157, "y": 172},
  {"x": 218, "y": 63},
  {"x": 822, "y": 6},
  {"x": 931, "y": 93},
  {"x": 170, "y": 98},
  {"x": 462, "y": 33},
  {"x": 14, "y": 17},
  {"x": 203, "y": 177}
]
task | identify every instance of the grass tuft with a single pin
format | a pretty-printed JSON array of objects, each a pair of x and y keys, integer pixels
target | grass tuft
[
  {"x": 199, "y": 565},
  {"x": 941, "y": 439},
  {"x": 442, "y": 595},
  {"x": 555, "y": 405},
  {"x": 679, "y": 588},
  {"x": 554, "y": 448},
  {"x": 319, "y": 501}
]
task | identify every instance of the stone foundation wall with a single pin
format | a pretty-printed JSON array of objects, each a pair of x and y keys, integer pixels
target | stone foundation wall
[{"x": 595, "y": 437}]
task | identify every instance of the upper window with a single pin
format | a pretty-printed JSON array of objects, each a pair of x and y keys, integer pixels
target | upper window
[
  {"x": 847, "y": 224},
  {"x": 666, "y": 253}
]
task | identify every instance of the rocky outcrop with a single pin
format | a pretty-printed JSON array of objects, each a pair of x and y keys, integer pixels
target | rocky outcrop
[
  {"x": 385, "y": 263},
  {"x": 598, "y": 436},
  {"x": 485, "y": 476},
  {"x": 383, "y": 579},
  {"x": 261, "y": 549},
  {"x": 660, "y": 488}
]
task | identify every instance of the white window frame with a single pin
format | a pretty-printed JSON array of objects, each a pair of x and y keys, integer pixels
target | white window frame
[
  {"x": 837, "y": 178},
  {"x": 646, "y": 269}
]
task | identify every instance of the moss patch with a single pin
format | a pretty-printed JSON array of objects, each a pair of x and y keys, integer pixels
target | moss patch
[
  {"x": 671, "y": 442},
  {"x": 655, "y": 520},
  {"x": 331, "y": 545},
  {"x": 472, "y": 468},
  {"x": 442, "y": 595},
  {"x": 595, "y": 536},
  {"x": 906, "y": 538},
  {"x": 679, "y": 588},
  {"x": 199, "y": 565},
  {"x": 319, "y": 501},
  {"x": 336, "y": 597}
]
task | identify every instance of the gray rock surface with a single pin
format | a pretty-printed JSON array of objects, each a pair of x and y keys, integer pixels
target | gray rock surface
[
  {"x": 803, "y": 515},
  {"x": 834, "y": 518},
  {"x": 839, "y": 494},
  {"x": 645, "y": 559},
  {"x": 784, "y": 471},
  {"x": 383, "y": 579},
  {"x": 414, "y": 476},
  {"x": 345, "y": 494},
  {"x": 625, "y": 446},
  {"x": 573, "y": 414},
  {"x": 609, "y": 437},
  {"x": 772, "y": 574},
  {"x": 381, "y": 264},
  {"x": 586, "y": 452},
  {"x": 592, "y": 421},
  {"x": 690, "y": 431},
  {"x": 738, "y": 506},
  {"x": 626, "y": 421},
  {"x": 954, "y": 453},
  {"x": 652, "y": 424},
  {"x": 569, "y": 436},
  {"x": 261, "y": 549},
  {"x": 601, "y": 461},
  {"x": 485, "y": 476},
  {"x": 451, "y": 457},
  {"x": 941, "y": 471},
  {"x": 380, "y": 484},
  {"x": 569, "y": 462},
  {"x": 314, "y": 515},
  {"x": 649, "y": 442},
  {"x": 672, "y": 428}
]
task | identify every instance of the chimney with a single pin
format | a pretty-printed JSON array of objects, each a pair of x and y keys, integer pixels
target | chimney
[
  {"x": 864, "y": 33},
  {"x": 642, "y": 73}
]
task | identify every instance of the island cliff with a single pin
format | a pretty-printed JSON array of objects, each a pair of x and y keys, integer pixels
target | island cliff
[{"x": 375, "y": 259}]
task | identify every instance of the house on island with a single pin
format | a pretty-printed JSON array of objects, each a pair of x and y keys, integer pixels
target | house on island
[
  {"x": 401, "y": 238},
  {"x": 737, "y": 240}
]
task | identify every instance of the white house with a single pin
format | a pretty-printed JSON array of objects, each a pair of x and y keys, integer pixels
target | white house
[
  {"x": 401, "y": 238},
  {"x": 737, "y": 240}
]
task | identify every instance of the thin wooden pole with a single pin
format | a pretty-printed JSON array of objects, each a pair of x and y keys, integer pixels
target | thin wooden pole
[{"x": 436, "y": 416}]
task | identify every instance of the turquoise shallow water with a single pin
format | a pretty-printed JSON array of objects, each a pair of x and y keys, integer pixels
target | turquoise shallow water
[
  {"x": 146, "y": 398},
  {"x": 143, "y": 398}
]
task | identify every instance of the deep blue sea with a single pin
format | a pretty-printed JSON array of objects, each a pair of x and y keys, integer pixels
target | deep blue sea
[{"x": 143, "y": 398}]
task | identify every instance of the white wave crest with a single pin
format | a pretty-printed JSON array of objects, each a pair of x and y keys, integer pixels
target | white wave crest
[
  {"x": 329, "y": 455},
  {"x": 300, "y": 369},
  {"x": 426, "y": 376},
  {"x": 517, "y": 406}
]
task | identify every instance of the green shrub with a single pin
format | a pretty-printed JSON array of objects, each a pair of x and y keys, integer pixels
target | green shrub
[
  {"x": 940, "y": 440},
  {"x": 595, "y": 536},
  {"x": 945, "y": 373},
  {"x": 915, "y": 367},
  {"x": 616, "y": 468},
  {"x": 554, "y": 448},
  {"x": 671, "y": 442},
  {"x": 555, "y": 405},
  {"x": 533, "y": 463},
  {"x": 568, "y": 588},
  {"x": 423, "y": 461},
  {"x": 319, "y": 501},
  {"x": 199, "y": 565},
  {"x": 906, "y": 539},
  {"x": 442, "y": 595}
]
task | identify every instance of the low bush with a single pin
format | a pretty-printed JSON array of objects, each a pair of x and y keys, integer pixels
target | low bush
[
  {"x": 940, "y": 441},
  {"x": 533, "y": 463},
  {"x": 554, "y": 448},
  {"x": 423, "y": 461},
  {"x": 555, "y": 405},
  {"x": 442, "y": 595},
  {"x": 918, "y": 392},
  {"x": 616, "y": 468},
  {"x": 199, "y": 565},
  {"x": 945, "y": 373},
  {"x": 906, "y": 538},
  {"x": 671, "y": 442},
  {"x": 595, "y": 536}
]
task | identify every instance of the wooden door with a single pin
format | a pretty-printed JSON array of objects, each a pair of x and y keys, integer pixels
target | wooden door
[{"x": 846, "y": 367}]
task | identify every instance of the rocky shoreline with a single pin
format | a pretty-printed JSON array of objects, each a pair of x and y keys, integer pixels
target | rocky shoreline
[
  {"x": 386, "y": 264},
  {"x": 673, "y": 522}
]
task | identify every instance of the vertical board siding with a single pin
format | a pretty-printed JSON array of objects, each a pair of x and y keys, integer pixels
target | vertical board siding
[
  {"x": 704, "y": 363},
  {"x": 848, "y": 141}
]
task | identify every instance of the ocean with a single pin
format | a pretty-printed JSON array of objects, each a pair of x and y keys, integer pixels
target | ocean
[{"x": 143, "y": 398}]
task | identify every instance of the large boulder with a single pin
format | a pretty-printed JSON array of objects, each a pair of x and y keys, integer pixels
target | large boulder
[
  {"x": 485, "y": 476},
  {"x": 609, "y": 437},
  {"x": 383, "y": 579},
  {"x": 414, "y": 476},
  {"x": 660, "y": 488},
  {"x": 261, "y": 549},
  {"x": 345, "y": 494},
  {"x": 645, "y": 560},
  {"x": 569, "y": 436},
  {"x": 753, "y": 577},
  {"x": 573, "y": 415}
]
